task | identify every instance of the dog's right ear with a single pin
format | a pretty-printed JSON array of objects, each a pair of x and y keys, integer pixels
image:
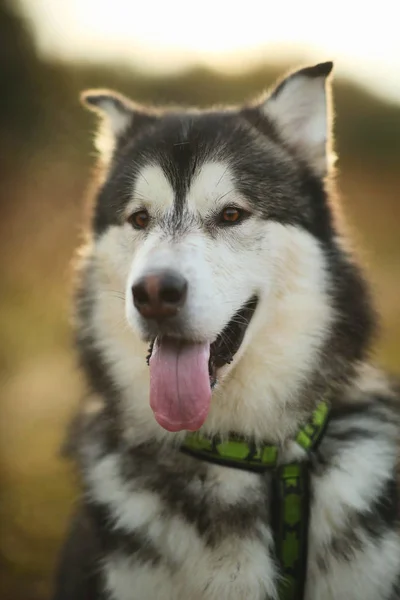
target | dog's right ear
[
  {"x": 117, "y": 114},
  {"x": 299, "y": 107}
]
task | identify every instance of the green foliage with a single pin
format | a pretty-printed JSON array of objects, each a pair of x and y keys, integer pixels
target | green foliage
[{"x": 19, "y": 102}]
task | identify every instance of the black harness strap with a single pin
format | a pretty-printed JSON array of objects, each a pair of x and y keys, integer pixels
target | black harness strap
[
  {"x": 290, "y": 506},
  {"x": 290, "y": 502}
]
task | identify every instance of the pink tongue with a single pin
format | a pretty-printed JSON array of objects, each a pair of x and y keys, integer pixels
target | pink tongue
[{"x": 180, "y": 391}]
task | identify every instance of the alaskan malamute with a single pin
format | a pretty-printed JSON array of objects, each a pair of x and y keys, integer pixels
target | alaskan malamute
[{"x": 236, "y": 443}]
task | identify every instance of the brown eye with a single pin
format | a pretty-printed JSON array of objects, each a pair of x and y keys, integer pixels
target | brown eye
[
  {"x": 139, "y": 219},
  {"x": 232, "y": 215}
]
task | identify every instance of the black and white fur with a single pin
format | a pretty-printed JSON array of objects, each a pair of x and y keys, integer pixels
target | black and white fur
[{"x": 154, "y": 524}]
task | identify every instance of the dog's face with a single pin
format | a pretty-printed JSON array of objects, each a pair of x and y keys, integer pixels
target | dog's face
[{"x": 192, "y": 225}]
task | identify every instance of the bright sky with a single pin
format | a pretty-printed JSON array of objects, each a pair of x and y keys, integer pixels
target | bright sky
[{"x": 361, "y": 37}]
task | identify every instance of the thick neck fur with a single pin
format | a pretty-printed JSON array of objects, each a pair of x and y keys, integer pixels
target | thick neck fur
[{"x": 319, "y": 302}]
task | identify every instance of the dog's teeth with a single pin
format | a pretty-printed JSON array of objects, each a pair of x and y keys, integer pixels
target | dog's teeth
[{"x": 150, "y": 351}]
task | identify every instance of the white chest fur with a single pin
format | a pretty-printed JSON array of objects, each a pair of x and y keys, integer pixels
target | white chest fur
[{"x": 351, "y": 554}]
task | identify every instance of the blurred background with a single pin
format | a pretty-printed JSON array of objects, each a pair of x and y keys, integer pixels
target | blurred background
[{"x": 201, "y": 53}]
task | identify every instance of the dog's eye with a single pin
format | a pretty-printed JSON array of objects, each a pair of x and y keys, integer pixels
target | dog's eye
[
  {"x": 139, "y": 219},
  {"x": 231, "y": 215}
]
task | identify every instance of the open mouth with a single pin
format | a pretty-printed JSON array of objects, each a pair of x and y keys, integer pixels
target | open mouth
[
  {"x": 230, "y": 339},
  {"x": 183, "y": 373}
]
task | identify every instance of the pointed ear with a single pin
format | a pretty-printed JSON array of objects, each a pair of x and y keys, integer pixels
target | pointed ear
[
  {"x": 299, "y": 109},
  {"x": 116, "y": 108},
  {"x": 117, "y": 114}
]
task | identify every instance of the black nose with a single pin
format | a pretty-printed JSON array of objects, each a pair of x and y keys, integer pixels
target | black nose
[{"x": 159, "y": 295}]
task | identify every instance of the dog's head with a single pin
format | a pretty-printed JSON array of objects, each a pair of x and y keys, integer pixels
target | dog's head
[{"x": 212, "y": 225}]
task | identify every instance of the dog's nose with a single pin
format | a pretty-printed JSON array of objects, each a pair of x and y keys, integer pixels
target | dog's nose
[{"x": 159, "y": 295}]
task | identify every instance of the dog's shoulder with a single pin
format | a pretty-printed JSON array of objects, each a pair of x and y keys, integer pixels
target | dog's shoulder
[
  {"x": 355, "y": 510},
  {"x": 77, "y": 574},
  {"x": 87, "y": 421},
  {"x": 365, "y": 421}
]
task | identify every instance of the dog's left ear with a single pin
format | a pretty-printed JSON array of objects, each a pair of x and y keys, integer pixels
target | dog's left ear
[
  {"x": 298, "y": 107},
  {"x": 111, "y": 106},
  {"x": 117, "y": 114}
]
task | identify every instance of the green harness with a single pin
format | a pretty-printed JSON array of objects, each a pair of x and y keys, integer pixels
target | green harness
[{"x": 290, "y": 503}]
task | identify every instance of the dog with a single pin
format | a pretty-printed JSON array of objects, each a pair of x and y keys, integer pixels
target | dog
[{"x": 224, "y": 327}]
